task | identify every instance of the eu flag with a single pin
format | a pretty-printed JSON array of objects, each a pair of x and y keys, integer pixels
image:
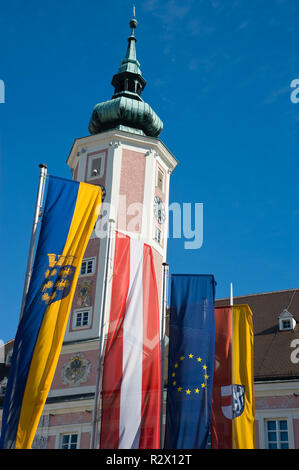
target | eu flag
[{"x": 190, "y": 361}]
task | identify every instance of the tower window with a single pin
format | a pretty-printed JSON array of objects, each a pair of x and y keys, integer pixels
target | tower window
[
  {"x": 82, "y": 318},
  {"x": 132, "y": 86},
  {"x": 87, "y": 266},
  {"x": 160, "y": 180},
  {"x": 95, "y": 167}
]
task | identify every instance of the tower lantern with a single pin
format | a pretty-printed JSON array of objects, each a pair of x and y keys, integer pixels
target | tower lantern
[{"x": 127, "y": 110}]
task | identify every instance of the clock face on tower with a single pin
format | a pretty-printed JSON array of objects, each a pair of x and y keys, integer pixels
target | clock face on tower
[{"x": 159, "y": 210}]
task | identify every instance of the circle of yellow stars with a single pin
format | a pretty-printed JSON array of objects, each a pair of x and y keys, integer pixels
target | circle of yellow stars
[{"x": 190, "y": 391}]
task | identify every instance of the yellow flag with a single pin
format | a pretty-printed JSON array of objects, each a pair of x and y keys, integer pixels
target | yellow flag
[
  {"x": 242, "y": 377},
  {"x": 70, "y": 213}
]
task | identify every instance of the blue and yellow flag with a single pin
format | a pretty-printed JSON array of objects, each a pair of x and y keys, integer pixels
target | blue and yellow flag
[
  {"x": 70, "y": 213},
  {"x": 190, "y": 361}
]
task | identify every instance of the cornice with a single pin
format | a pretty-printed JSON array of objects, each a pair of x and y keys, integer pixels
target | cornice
[{"x": 121, "y": 137}]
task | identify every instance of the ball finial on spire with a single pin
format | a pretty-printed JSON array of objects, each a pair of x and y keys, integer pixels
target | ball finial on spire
[{"x": 133, "y": 23}]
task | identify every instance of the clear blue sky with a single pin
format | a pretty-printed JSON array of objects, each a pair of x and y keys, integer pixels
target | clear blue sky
[{"x": 218, "y": 73}]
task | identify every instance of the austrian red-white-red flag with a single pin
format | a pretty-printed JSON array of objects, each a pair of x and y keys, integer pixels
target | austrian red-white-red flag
[{"x": 131, "y": 386}]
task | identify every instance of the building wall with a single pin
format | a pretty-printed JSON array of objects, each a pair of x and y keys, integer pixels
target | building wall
[
  {"x": 275, "y": 401},
  {"x": 69, "y": 408},
  {"x": 267, "y": 408}
]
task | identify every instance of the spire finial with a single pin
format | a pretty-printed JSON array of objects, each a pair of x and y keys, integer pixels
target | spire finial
[
  {"x": 133, "y": 23},
  {"x": 127, "y": 110},
  {"x": 129, "y": 81}
]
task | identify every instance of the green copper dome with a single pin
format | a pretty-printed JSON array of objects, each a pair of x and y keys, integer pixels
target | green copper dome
[
  {"x": 126, "y": 114},
  {"x": 127, "y": 110}
]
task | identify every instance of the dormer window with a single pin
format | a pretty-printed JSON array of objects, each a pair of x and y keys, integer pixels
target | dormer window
[
  {"x": 286, "y": 324},
  {"x": 286, "y": 321}
]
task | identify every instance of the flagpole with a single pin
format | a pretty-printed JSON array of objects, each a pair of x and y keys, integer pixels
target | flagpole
[
  {"x": 37, "y": 215},
  {"x": 163, "y": 323},
  {"x": 101, "y": 341},
  {"x": 231, "y": 304}
]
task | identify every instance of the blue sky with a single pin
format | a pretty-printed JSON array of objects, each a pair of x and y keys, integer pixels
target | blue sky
[{"x": 218, "y": 74}]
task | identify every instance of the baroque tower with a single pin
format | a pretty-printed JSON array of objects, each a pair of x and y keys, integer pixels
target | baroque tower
[{"x": 124, "y": 155}]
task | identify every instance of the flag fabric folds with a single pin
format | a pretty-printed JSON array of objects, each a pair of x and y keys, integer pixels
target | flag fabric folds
[
  {"x": 70, "y": 213},
  {"x": 190, "y": 361},
  {"x": 233, "y": 396},
  {"x": 131, "y": 384}
]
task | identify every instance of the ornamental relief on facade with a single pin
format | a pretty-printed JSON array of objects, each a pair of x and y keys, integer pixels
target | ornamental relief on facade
[
  {"x": 84, "y": 293},
  {"x": 76, "y": 371}
]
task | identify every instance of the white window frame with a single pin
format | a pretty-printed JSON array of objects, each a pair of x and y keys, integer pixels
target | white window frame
[
  {"x": 68, "y": 434},
  {"x": 86, "y": 260},
  {"x": 261, "y": 415},
  {"x": 78, "y": 311},
  {"x": 159, "y": 170},
  {"x": 278, "y": 441},
  {"x": 100, "y": 155}
]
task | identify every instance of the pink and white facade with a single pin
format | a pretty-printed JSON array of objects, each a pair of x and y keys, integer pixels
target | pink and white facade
[{"x": 277, "y": 405}]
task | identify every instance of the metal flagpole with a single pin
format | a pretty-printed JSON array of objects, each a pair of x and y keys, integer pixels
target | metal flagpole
[
  {"x": 101, "y": 340},
  {"x": 231, "y": 304},
  {"x": 37, "y": 215},
  {"x": 163, "y": 324},
  {"x": 231, "y": 295}
]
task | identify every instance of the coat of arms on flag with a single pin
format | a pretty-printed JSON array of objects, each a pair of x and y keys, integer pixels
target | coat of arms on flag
[
  {"x": 236, "y": 393},
  {"x": 238, "y": 400}
]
